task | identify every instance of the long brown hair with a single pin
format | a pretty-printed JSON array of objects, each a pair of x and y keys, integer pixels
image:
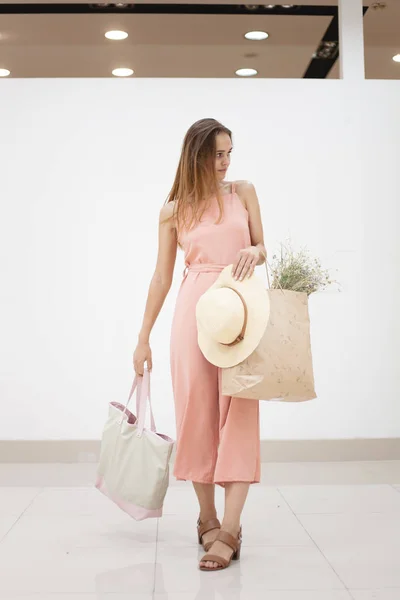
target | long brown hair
[{"x": 196, "y": 178}]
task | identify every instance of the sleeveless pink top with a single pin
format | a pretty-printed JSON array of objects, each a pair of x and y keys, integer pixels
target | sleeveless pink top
[{"x": 218, "y": 244}]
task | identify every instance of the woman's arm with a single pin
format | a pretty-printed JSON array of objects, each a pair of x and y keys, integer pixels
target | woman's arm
[
  {"x": 159, "y": 286},
  {"x": 256, "y": 254}
]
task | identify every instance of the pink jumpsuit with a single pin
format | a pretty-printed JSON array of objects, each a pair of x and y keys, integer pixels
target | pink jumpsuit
[{"x": 218, "y": 437}]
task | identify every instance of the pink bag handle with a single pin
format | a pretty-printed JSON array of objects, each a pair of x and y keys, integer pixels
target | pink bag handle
[
  {"x": 142, "y": 386},
  {"x": 142, "y": 395}
]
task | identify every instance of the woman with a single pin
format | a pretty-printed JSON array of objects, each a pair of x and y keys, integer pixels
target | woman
[{"x": 216, "y": 223}]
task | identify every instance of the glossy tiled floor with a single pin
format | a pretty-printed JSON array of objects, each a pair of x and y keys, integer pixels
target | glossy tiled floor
[{"x": 312, "y": 531}]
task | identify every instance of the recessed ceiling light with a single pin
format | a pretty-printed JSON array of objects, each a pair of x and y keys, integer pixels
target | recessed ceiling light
[
  {"x": 396, "y": 58},
  {"x": 256, "y": 36},
  {"x": 287, "y": 5},
  {"x": 4, "y": 72},
  {"x": 116, "y": 35},
  {"x": 122, "y": 72},
  {"x": 246, "y": 72}
]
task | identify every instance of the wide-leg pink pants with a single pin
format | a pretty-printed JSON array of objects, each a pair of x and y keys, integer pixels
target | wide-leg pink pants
[{"x": 218, "y": 437}]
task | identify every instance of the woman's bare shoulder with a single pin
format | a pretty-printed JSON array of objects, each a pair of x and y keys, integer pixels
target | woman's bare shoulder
[
  {"x": 243, "y": 185},
  {"x": 167, "y": 213},
  {"x": 246, "y": 192}
]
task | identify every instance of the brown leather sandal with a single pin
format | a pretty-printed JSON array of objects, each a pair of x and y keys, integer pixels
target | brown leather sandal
[
  {"x": 229, "y": 540},
  {"x": 203, "y": 528}
]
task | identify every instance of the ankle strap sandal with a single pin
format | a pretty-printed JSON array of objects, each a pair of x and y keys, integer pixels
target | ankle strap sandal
[
  {"x": 203, "y": 528},
  {"x": 234, "y": 543}
]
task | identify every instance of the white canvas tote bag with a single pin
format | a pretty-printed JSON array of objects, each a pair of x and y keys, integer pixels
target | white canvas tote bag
[{"x": 133, "y": 470}]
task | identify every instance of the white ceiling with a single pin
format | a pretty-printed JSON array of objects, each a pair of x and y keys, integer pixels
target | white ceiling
[
  {"x": 184, "y": 45},
  {"x": 253, "y": 2}
]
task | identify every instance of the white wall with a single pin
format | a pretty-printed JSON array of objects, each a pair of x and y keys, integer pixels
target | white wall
[{"x": 85, "y": 167}]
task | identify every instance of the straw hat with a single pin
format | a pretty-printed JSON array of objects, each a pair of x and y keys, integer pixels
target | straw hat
[{"x": 231, "y": 319}]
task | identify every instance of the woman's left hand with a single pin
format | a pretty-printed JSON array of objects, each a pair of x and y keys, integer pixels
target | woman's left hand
[{"x": 246, "y": 262}]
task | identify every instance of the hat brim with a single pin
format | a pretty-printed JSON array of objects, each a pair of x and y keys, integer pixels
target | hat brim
[{"x": 258, "y": 309}]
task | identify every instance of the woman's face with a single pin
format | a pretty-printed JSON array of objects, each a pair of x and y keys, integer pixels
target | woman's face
[{"x": 223, "y": 156}]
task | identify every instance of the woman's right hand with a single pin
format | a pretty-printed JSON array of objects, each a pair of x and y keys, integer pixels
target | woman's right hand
[{"x": 142, "y": 355}]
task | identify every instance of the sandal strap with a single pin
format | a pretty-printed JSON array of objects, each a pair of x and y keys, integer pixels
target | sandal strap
[
  {"x": 228, "y": 539},
  {"x": 207, "y": 546},
  {"x": 217, "y": 559},
  {"x": 208, "y": 526}
]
